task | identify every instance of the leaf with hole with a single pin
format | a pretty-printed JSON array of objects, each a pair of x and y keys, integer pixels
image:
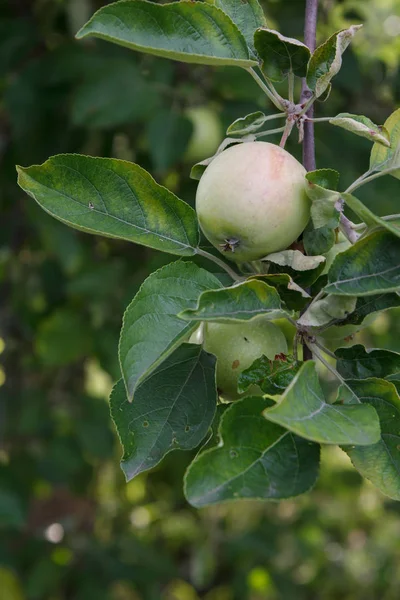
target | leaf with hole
[
  {"x": 303, "y": 410},
  {"x": 272, "y": 376},
  {"x": 173, "y": 409},
  {"x": 151, "y": 329},
  {"x": 254, "y": 459},
  {"x": 193, "y": 32},
  {"x": 114, "y": 198}
]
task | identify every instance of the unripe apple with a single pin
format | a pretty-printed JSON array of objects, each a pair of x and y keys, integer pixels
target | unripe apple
[
  {"x": 236, "y": 346},
  {"x": 251, "y": 201},
  {"x": 207, "y": 133}
]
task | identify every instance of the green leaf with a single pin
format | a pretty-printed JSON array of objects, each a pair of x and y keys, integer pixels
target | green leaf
[
  {"x": 326, "y": 61},
  {"x": 371, "y": 266},
  {"x": 173, "y": 409},
  {"x": 318, "y": 240},
  {"x": 292, "y": 294},
  {"x": 330, "y": 308},
  {"x": 273, "y": 377},
  {"x": 113, "y": 198},
  {"x": 169, "y": 133},
  {"x": 151, "y": 329},
  {"x": 247, "y": 16},
  {"x": 368, "y": 216},
  {"x": 357, "y": 363},
  {"x": 280, "y": 55},
  {"x": 199, "y": 168},
  {"x": 295, "y": 260},
  {"x": 193, "y": 32},
  {"x": 255, "y": 459},
  {"x": 248, "y": 124},
  {"x": 241, "y": 302},
  {"x": 303, "y": 410},
  {"x": 321, "y": 189},
  {"x": 371, "y": 304},
  {"x": 380, "y": 462},
  {"x": 388, "y": 159},
  {"x": 363, "y": 127}
]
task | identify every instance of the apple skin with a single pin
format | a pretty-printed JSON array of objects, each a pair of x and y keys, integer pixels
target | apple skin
[
  {"x": 207, "y": 133},
  {"x": 236, "y": 346},
  {"x": 251, "y": 201}
]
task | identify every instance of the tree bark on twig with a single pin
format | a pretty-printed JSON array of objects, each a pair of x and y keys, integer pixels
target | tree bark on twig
[{"x": 310, "y": 28}]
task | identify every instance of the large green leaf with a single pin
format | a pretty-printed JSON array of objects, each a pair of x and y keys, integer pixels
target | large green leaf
[
  {"x": 303, "y": 410},
  {"x": 173, "y": 409},
  {"x": 380, "y": 462},
  {"x": 247, "y": 16},
  {"x": 368, "y": 216},
  {"x": 113, "y": 198},
  {"x": 151, "y": 329},
  {"x": 326, "y": 61},
  {"x": 357, "y": 363},
  {"x": 194, "y": 32},
  {"x": 371, "y": 266},
  {"x": 254, "y": 459},
  {"x": 280, "y": 55},
  {"x": 241, "y": 302},
  {"x": 388, "y": 159}
]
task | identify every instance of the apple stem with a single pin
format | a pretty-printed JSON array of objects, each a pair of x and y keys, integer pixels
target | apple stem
[{"x": 220, "y": 263}]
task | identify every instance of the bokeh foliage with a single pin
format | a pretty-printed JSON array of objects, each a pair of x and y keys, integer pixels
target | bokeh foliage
[{"x": 69, "y": 525}]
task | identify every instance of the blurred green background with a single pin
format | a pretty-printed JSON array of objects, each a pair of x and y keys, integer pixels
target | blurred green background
[{"x": 70, "y": 527}]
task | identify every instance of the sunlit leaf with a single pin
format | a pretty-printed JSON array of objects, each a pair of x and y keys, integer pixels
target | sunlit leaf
[
  {"x": 368, "y": 216},
  {"x": 151, "y": 329},
  {"x": 114, "y": 198},
  {"x": 321, "y": 189},
  {"x": 240, "y": 302},
  {"x": 194, "y": 32},
  {"x": 247, "y": 15},
  {"x": 327, "y": 309},
  {"x": 388, "y": 159},
  {"x": 363, "y": 127},
  {"x": 295, "y": 260},
  {"x": 303, "y": 410}
]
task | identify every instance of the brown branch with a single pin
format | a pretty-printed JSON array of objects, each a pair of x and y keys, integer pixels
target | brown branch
[{"x": 310, "y": 28}]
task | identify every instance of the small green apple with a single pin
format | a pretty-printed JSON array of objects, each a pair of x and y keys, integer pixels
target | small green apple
[
  {"x": 236, "y": 346},
  {"x": 207, "y": 133},
  {"x": 251, "y": 201}
]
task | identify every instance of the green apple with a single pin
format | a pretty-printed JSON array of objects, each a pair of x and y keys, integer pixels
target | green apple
[
  {"x": 236, "y": 346},
  {"x": 251, "y": 201},
  {"x": 207, "y": 133}
]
